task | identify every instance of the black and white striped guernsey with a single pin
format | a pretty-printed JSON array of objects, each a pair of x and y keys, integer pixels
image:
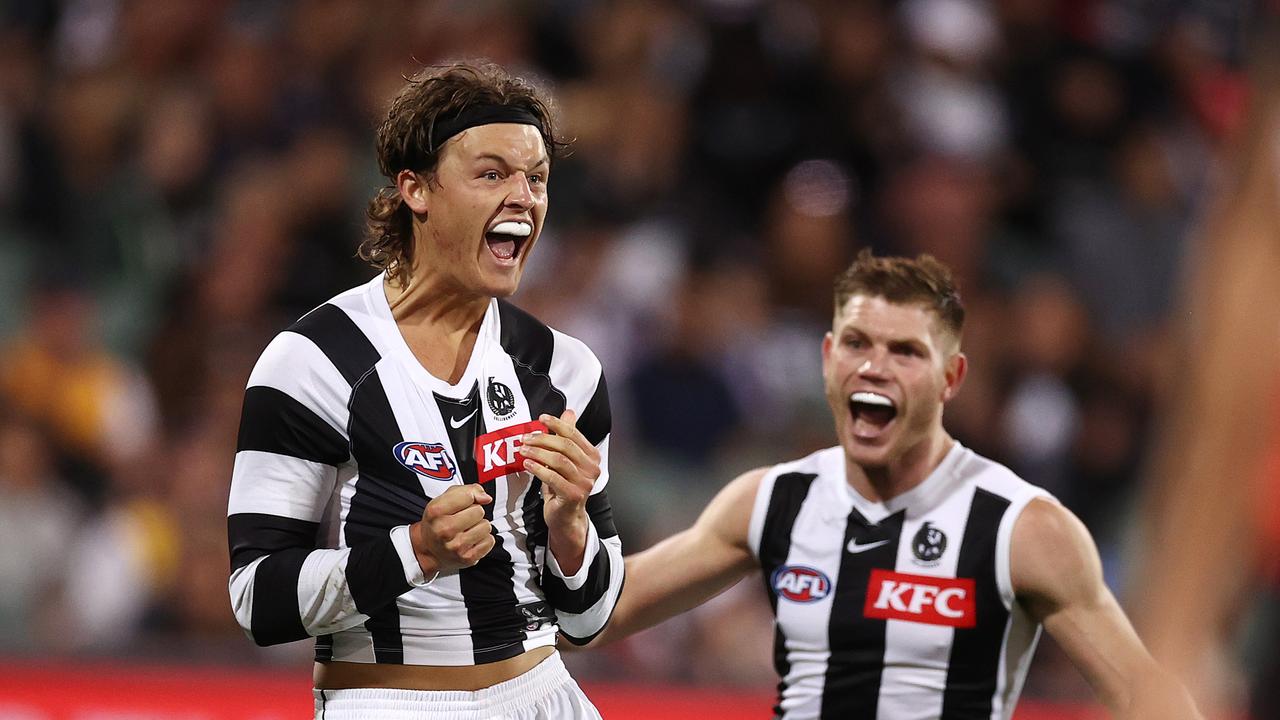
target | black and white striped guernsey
[
  {"x": 345, "y": 437},
  {"x": 900, "y": 610}
]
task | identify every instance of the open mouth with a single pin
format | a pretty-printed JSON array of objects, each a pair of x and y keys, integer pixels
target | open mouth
[
  {"x": 872, "y": 413},
  {"x": 507, "y": 238}
]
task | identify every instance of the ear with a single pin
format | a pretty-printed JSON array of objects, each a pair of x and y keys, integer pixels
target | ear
[
  {"x": 413, "y": 191},
  {"x": 957, "y": 367},
  {"x": 828, "y": 341}
]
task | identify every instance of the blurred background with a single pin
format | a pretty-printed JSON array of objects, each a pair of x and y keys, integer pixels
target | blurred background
[{"x": 181, "y": 179}]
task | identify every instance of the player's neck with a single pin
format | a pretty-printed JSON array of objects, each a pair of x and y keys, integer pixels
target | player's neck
[
  {"x": 439, "y": 323},
  {"x": 903, "y": 474},
  {"x": 431, "y": 301}
]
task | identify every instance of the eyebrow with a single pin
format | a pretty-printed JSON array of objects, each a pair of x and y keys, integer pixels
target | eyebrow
[
  {"x": 500, "y": 159},
  {"x": 901, "y": 343},
  {"x": 887, "y": 340}
]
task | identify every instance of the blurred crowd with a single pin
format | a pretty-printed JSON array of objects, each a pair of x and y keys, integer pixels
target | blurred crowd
[{"x": 180, "y": 179}]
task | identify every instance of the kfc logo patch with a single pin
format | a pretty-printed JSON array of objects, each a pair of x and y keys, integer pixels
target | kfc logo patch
[
  {"x": 497, "y": 452},
  {"x": 429, "y": 459},
  {"x": 921, "y": 599},
  {"x": 799, "y": 583}
]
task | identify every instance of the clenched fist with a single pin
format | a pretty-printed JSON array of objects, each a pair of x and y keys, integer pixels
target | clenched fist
[{"x": 453, "y": 533}]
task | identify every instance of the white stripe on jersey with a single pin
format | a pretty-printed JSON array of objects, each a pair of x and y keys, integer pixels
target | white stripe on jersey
[
  {"x": 275, "y": 479},
  {"x": 916, "y": 655},
  {"x": 429, "y": 614},
  {"x": 241, "y": 587},
  {"x": 294, "y": 365},
  {"x": 578, "y": 381},
  {"x": 326, "y": 605}
]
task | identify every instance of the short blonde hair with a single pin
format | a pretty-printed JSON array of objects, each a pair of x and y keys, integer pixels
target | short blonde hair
[{"x": 921, "y": 280}]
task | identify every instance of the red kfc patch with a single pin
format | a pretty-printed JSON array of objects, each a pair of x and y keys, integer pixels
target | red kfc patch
[
  {"x": 921, "y": 599},
  {"x": 497, "y": 453}
]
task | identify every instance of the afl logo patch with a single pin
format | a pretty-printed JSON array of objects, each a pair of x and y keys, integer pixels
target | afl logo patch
[
  {"x": 501, "y": 400},
  {"x": 799, "y": 583},
  {"x": 429, "y": 459},
  {"x": 928, "y": 545}
]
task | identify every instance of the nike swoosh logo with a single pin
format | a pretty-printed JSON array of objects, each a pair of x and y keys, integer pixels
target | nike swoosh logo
[
  {"x": 455, "y": 424},
  {"x": 854, "y": 547}
]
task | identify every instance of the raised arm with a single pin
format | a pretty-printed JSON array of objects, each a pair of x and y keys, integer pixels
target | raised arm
[
  {"x": 1057, "y": 576},
  {"x": 690, "y": 567}
]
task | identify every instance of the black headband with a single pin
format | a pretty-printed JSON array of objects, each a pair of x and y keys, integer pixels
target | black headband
[{"x": 475, "y": 115}]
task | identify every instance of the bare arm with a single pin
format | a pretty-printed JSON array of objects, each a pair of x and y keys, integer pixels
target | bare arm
[
  {"x": 1057, "y": 576},
  {"x": 690, "y": 567},
  {"x": 1219, "y": 403}
]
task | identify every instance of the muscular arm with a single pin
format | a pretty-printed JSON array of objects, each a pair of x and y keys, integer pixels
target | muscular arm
[
  {"x": 690, "y": 567},
  {"x": 1057, "y": 576}
]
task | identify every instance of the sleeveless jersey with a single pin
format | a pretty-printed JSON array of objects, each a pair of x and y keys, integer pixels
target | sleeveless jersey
[
  {"x": 900, "y": 610},
  {"x": 345, "y": 437}
]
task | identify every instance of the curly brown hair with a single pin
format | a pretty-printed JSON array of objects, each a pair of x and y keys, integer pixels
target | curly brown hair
[
  {"x": 923, "y": 280},
  {"x": 404, "y": 143}
]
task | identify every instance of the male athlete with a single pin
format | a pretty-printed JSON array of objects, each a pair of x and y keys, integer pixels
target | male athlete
[
  {"x": 908, "y": 575},
  {"x": 419, "y": 480}
]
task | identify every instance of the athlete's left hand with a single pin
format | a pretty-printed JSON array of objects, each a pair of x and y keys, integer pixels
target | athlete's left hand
[{"x": 568, "y": 466}]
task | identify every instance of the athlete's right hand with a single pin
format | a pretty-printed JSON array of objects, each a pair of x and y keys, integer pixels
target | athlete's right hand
[{"x": 453, "y": 532}]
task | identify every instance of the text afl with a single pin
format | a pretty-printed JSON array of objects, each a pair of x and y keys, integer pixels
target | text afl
[
  {"x": 428, "y": 459},
  {"x": 800, "y": 583}
]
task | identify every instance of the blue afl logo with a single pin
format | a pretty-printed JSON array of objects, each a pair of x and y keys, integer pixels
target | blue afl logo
[
  {"x": 429, "y": 459},
  {"x": 800, "y": 583}
]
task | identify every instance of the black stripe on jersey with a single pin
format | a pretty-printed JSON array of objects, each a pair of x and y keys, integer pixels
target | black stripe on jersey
[
  {"x": 601, "y": 513},
  {"x": 789, "y": 492},
  {"x": 580, "y": 600},
  {"x": 492, "y": 609},
  {"x": 581, "y": 641},
  {"x": 530, "y": 344},
  {"x": 275, "y": 616},
  {"x": 375, "y": 575},
  {"x": 252, "y": 535},
  {"x": 463, "y": 438},
  {"x": 324, "y": 648},
  {"x": 274, "y": 422},
  {"x": 596, "y": 420},
  {"x": 781, "y": 665},
  {"x": 852, "y": 685},
  {"x": 975, "y": 652},
  {"x": 487, "y": 590},
  {"x": 535, "y": 524},
  {"x": 338, "y": 337},
  {"x": 387, "y": 494}
]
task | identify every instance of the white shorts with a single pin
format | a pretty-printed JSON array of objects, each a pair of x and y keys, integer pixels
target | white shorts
[{"x": 546, "y": 692}]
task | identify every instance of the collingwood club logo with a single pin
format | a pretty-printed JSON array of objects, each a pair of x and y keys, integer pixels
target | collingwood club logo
[
  {"x": 501, "y": 400},
  {"x": 928, "y": 545}
]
